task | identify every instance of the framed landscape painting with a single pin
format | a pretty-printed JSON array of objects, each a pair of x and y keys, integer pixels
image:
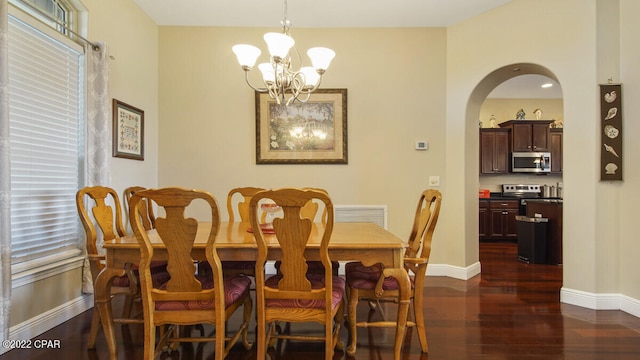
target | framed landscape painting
[{"x": 313, "y": 132}]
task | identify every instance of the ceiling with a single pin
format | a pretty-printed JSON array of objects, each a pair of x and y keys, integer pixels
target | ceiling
[
  {"x": 527, "y": 87},
  {"x": 341, "y": 14},
  {"x": 316, "y": 13}
]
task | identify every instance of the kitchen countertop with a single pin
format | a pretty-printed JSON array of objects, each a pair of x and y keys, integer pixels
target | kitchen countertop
[
  {"x": 546, "y": 200},
  {"x": 499, "y": 196}
]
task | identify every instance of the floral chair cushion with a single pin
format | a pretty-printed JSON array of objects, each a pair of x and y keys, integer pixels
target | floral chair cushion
[
  {"x": 234, "y": 288},
  {"x": 317, "y": 281},
  {"x": 366, "y": 277}
]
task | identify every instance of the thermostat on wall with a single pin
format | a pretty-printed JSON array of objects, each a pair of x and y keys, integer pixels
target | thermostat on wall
[{"x": 422, "y": 145}]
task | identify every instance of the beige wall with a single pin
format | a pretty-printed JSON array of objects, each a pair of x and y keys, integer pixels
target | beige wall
[
  {"x": 629, "y": 193},
  {"x": 132, "y": 40},
  {"x": 564, "y": 41},
  {"x": 396, "y": 95}
]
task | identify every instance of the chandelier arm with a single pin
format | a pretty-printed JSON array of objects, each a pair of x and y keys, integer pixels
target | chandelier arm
[
  {"x": 296, "y": 87},
  {"x": 314, "y": 88},
  {"x": 246, "y": 78},
  {"x": 299, "y": 99}
]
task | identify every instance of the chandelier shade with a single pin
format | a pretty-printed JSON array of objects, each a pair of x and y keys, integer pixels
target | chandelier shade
[
  {"x": 278, "y": 44},
  {"x": 280, "y": 80},
  {"x": 247, "y": 54},
  {"x": 321, "y": 57}
]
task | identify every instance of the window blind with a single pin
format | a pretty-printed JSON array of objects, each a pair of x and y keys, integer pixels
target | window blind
[{"x": 45, "y": 114}]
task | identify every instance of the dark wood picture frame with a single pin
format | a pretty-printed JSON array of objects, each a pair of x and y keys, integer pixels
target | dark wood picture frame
[
  {"x": 314, "y": 132},
  {"x": 128, "y": 131},
  {"x": 611, "y": 132}
]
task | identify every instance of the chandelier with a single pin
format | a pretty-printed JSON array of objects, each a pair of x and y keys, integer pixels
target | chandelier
[{"x": 283, "y": 83}]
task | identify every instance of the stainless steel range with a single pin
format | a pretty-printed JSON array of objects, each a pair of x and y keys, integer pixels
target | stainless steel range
[{"x": 522, "y": 192}]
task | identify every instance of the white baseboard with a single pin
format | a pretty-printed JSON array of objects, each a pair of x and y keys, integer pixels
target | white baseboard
[
  {"x": 456, "y": 272},
  {"x": 630, "y": 305},
  {"x": 600, "y": 301},
  {"x": 48, "y": 320}
]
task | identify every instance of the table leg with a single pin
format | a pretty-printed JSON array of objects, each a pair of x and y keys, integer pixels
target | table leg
[
  {"x": 404, "y": 287},
  {"x": 102, "y": 304}
]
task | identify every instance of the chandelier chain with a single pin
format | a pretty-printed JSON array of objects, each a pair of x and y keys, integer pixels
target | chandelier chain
[{"x": 286, "y": 24}]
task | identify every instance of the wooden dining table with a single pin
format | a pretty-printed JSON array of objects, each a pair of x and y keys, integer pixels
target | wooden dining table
[{"x": 365, "y": 242}]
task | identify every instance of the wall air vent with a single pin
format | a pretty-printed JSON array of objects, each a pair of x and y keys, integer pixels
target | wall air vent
[{"x": 362, "y": 213}]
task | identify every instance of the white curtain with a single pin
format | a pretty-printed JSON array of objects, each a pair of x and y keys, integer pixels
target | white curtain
[
  {"x": 5, "y": 178},
  {"x": 98, "y": 142}
]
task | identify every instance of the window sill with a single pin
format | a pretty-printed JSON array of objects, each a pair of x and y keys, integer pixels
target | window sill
[{"x": 31, "y": 271}]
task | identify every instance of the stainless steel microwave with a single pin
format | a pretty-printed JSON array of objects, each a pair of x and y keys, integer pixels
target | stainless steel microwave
[{"x": 531, "y": 162}]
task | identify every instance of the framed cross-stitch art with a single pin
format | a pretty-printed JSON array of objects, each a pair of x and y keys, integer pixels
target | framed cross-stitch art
[{"x": 128, "y": 131}]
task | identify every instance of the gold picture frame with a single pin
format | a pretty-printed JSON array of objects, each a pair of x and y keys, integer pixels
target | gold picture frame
[
  {"x": 313, "y": 132},
  {"x": 128, "y": 131}
]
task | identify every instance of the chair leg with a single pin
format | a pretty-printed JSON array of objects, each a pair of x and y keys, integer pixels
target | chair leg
[
  {"x": 328, "y": 342},
  {"x": 95, "y": 326},
  {"x": 220, "y": 345},
  {"x": 261, "y": 339},
  {"x": 351, "y": 317},
  {"x": 128, "y": 305},
  {"x": 150, "y": 351},
  {"x": 418, "y": 312},
  {"x": 246, "y": 318},
  {"x": 401, "y": 327},
  {"x": 339, "y": 322}
]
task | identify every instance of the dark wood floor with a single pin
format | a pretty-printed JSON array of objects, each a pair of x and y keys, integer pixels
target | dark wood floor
[{"x": 511, "y": 311}]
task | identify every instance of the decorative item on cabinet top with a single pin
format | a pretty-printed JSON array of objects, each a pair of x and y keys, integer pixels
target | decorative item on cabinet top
[{"x": 611, "y": 132}]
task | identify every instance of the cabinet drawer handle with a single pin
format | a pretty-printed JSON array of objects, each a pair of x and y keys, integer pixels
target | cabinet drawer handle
[
  {"x": 505, "y": 213},
  {"x": 504, "y": 204}
]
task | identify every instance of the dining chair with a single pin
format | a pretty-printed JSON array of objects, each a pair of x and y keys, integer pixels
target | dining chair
[
  {"x": 148, "y": 218},
  {"x": 99, "y": 208},
  {"x": 238, "y": 202},
  {"x": 295, "y": 295},
  {"x": 146, "y": 211},
  {"x": 310, "y": 211},
  {"x": 374, "y": 283},
  {"x": 188, "y": 298}
]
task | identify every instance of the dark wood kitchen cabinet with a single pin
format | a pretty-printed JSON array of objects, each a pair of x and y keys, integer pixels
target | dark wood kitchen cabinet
[
  {"x": 494, "y": 151},
  {"x": 555, "y": 140},
  {"x": 529, "y": 135},
  {"x": 483, "y": 219},
  {"x": 498, "y": 219}
]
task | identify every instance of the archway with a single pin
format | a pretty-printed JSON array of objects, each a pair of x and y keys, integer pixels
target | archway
[{"x": 473, "y": 110}]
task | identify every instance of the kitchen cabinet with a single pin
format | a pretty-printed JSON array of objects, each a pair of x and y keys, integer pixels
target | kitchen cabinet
[
  {"x": 494, "y": 151},
  {"x": 483, "y": 219},
  {"x": 555, "y": 147},
  {"x": 528, "y": 135},
  {"x": 499, "y": 219}
]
